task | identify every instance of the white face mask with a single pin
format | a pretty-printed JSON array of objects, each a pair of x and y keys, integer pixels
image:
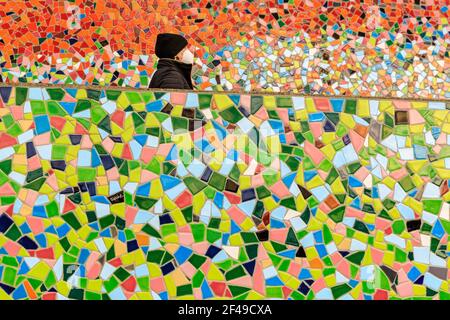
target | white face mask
[{"x": 188, "y": 57}]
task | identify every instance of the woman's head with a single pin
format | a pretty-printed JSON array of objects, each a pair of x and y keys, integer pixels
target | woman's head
[{"x": 173, "y": 46}]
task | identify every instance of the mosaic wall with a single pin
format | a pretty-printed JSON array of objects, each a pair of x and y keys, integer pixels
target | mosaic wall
[
  {"x": 163, "y": 195},
  {"x": 397, "y": 48}
]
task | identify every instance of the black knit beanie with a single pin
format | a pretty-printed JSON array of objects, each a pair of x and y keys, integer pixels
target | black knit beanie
[{"x": 168, "y": 45}]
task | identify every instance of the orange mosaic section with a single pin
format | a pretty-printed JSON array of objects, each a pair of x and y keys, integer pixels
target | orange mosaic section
[
  {"x": 133, "y": 25},
  {"x": 85, "y": 42}
]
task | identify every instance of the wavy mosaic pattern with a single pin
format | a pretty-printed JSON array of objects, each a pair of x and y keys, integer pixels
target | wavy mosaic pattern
[
  {"x": 397, "y": 48},
  {"x": 164, "y": 195}
]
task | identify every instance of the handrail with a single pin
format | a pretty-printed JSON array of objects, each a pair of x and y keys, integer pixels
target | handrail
[{"x": 259, "y": 93}]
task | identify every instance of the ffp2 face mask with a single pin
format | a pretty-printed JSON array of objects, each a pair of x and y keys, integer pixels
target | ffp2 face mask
[{"x": 188, "y": 57}]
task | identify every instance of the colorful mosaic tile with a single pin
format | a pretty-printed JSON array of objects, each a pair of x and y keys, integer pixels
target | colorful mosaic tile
[
  {"x": 397, "y": 48},
  {"x": 163, "y": 195}
]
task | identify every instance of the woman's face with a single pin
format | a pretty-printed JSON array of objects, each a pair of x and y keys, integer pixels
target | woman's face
[{"x": 186, "y": 55}]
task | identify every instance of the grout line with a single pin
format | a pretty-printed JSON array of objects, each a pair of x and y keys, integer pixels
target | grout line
[{"x": 260, "y": 93}]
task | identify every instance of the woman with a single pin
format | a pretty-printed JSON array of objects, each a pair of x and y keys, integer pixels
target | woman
[{"x": 175, "y": 63}]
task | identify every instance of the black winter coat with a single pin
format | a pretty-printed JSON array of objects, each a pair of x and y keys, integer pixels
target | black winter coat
[{"x": 172, "y": 74}]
